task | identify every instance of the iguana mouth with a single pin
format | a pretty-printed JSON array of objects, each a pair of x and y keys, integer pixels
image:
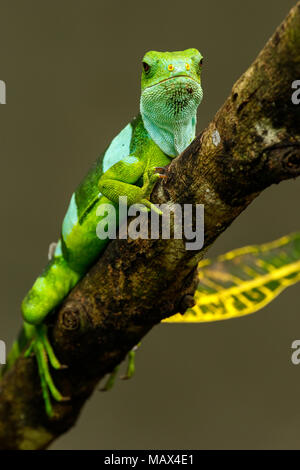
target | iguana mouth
[{"x": 172, "y": 78}]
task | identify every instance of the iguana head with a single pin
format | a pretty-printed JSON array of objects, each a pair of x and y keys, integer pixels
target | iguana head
[
  {"x": 171, "y": 93},
  {"x": 171, "y": 83}
]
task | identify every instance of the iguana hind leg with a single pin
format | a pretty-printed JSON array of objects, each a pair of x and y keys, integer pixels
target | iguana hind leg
[
  {"x": 129, "y": 371},
  {"x": 45, "y": 355},
  {"x": 131, "y": 363}
]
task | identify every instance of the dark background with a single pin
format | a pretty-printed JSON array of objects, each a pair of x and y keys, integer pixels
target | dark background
[{"x": 72, "y": 72}]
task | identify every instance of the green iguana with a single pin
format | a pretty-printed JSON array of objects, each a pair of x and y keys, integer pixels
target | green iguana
[
  {"x": 170, "y": 95},
  {"x": 235, "y": 284}
]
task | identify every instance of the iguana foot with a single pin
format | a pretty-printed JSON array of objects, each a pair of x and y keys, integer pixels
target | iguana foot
[
  {"x": 129, "y": 372},
  {"x": 151, "y": 176},
  {"x": 44, "y": 354},
  {"x": 131, "y": 363},
  {"x": 111, "y": 380}
]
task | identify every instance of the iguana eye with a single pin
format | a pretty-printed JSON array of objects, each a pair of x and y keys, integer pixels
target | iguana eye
[{"x": 146, "y": 67}]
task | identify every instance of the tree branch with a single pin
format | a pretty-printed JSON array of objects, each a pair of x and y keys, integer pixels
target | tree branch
[{"x": 252, "y": 143}]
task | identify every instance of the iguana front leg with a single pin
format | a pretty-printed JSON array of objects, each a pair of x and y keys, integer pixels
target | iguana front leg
[
  {"x": 44, "y": 354},
  {"x": 120, "y": 178}
]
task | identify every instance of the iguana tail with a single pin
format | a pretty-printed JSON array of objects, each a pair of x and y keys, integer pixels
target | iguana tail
[{"x": 49, "y": 289}]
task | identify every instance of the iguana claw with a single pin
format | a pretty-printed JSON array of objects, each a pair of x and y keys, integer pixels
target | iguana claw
[{"x": 161, "y": 171}]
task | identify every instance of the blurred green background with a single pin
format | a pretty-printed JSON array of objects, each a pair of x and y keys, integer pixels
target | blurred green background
[{"x": 72, "y": 70}]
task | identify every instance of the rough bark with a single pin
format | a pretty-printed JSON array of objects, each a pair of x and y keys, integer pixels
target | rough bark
[{"x": 137, "y": 283}]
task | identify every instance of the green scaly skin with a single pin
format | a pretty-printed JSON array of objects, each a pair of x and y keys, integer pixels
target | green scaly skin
[{"x": 170, "y": 95}]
